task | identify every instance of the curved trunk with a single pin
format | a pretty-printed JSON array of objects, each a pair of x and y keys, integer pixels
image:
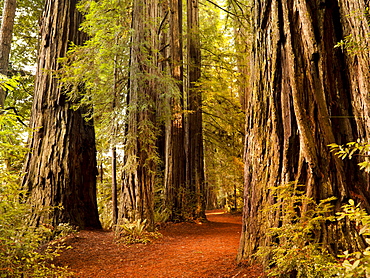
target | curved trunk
[
  {"x": 60, "y": 170},
  {"x": 305, "y": 94}
]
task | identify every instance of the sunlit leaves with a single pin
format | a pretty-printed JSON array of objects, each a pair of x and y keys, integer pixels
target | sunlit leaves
[
  {"x": 356, "y": 264},
  {"x": 351, "y": 149},
  {"x": 294, "y": 248},
  {"x": 26, "y": 34},
  {"x": 12, "y": 134},
  {"x": 223, "y": 118}
]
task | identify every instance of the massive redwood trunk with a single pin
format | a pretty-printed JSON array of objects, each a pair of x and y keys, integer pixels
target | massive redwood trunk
[
  {"x": 195, "y": 189},
  {"x": 175, "y": 130},
  {"x": 141, "y": 159},
  {"x": 60, "y": 170},
  {"x": 305, "y": 94}
]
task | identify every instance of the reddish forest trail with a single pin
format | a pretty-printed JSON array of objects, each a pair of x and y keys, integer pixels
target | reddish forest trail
[{"x": 185, "y": 250}]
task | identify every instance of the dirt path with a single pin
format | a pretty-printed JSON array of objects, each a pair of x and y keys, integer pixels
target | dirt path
[{"x": 185, "y": 250}]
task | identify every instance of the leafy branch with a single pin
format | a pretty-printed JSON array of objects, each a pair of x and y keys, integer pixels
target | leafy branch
[{"x": 352, "y": 149}]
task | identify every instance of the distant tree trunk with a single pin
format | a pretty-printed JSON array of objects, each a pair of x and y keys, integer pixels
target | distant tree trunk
[
  {"x": 195, "y": 163},
  {"x": 305, "y": 94},
  {"x": 140, "y": 156},
  {"x": 6, "y": 33},
  {"x": 114, "y": 186},
  {"x": 175, "y": 131},
  {"x": 61, "y": 168},
  {"x": 113, "y": 146}
]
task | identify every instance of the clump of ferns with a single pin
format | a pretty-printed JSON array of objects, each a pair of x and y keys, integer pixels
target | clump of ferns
[{"x": 135, "y": 232}]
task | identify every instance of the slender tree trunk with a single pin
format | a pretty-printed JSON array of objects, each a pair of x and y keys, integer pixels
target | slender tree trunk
[
  {"x": 140, "y": 155},
  {"x": 195, "y": 163},
  {"x": 61, "y": 169},
  {"x": 6, "y": 33},
  {"x": 305, "y": 94},
  {"x": 114, "y": 186},
  {"x": 113, "y": 144}
]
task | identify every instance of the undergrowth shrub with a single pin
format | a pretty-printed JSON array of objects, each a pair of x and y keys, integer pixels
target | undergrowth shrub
[
  {"x": 162, "y": 215},
  {"x": 135, "y": 232},
  {"x": 294, "y": 251},
  {"x": 21, "y": 254},
  {"x": 356, "y": 264}
]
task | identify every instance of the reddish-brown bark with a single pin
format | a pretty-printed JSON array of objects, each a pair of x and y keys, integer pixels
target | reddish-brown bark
[
  {"x": 60, "y": 170},
  {"x": 305, "y": 94}
]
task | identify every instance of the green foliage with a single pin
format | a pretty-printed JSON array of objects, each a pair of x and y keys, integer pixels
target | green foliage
[
  {"x": 135, "y": 232},
  {"x": 356, "y": 264},
  {"x": 19, "y": 96},
  {"x": 101, "y": 63},
  {"x": 21, "y": 254},
  {"x": 353, "y": 45},
  {"x": 161, "y": 215},
  {"x": 356, "y": 44},
  {"x": 223, "y": 118},
  {"x": 26, "y": 34},
  {"x": 351, "y": 149},
  {"x": 294, "y": 249},
  {"x": 12, "y": 148},
  {"x": 13, "y": 132}
]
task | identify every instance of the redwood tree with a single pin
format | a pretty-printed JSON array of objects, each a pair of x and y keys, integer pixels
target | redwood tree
[
  {"x": 140, "y": 154},
  {"x": 175, "y": 129},
  {"x": 60, "y": 170},
  {"x": 6, "y": 33},
  {"x": 305, "y": 94},
  {"x": 195, "y": 187}
]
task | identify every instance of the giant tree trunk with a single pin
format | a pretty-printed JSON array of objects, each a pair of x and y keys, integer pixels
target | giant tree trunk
[
  {"x": 305, "y": 94},
  {"x": 60, "y": 170},
  {"x": 195, "y": 164},
  {"x": 140, "y": 155},
  {"x": 175, "y": 129},
  {"x": 6, "y": 33}
]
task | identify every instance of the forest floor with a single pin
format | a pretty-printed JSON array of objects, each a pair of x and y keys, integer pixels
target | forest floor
[{"x": 185, "y": 250}]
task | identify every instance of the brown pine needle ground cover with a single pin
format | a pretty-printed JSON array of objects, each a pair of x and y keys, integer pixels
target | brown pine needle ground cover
[{"x": 185, "y": 250}]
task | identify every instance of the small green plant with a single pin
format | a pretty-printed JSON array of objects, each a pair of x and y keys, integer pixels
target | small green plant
[
  {"x": 135, "y": 232},
  {"x": 162, "y": 215},
  {"x": 294, "y": 251},
  {"x": 135, "y": 228},
  {"x": 21, "y": 254},
  {"x": 356, "y": 264},
  {"x": 358, "y": 148}
]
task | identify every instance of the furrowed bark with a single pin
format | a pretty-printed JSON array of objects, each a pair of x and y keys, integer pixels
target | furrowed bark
[
  {"x": 305, "y": 94},
  {"x": 60, "y": 170}
]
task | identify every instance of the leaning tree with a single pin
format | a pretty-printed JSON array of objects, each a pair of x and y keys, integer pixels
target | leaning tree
[
  {"x": 60, "y": 170},
  {"x": 305, "y": 94}
]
